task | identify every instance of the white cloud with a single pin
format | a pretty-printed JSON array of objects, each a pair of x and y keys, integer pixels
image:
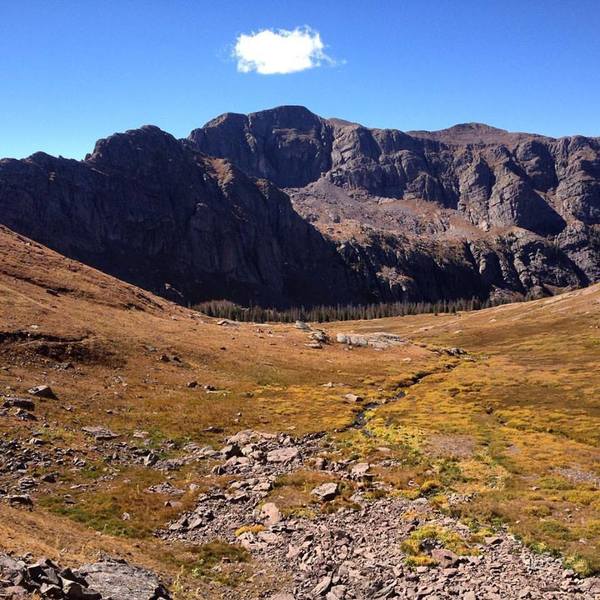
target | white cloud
[{"x": 281, "y": 51}]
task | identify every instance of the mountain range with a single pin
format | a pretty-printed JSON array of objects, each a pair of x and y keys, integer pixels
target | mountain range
[{"x": 282, "y": 207}]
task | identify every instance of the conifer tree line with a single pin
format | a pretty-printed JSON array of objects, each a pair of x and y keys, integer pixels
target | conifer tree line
[{"x": 224, "y": 309}]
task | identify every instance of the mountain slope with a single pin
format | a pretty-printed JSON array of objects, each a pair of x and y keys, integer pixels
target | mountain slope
[
  {"x": 149, "y": 210},
  {"x": 494, "y": 177},
  {"x": 527, "y": 207}
]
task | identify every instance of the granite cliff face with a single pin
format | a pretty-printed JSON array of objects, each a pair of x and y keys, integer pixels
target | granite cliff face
[
  {"x": 153, "y": 212},
  {"x": 374, "y": 214},
  {"x": 512, "y": 211}
]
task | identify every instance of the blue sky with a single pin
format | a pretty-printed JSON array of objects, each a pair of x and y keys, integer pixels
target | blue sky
[{"x": 74, "y": 71}]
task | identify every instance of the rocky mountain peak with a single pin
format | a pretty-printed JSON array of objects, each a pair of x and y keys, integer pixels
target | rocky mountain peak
[
  {"x": 269, "y": 143},
  {"x": 142, "y": 146}
]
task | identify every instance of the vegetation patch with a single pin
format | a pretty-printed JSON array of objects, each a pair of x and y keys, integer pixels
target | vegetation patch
[
  {"x": 121, "y": 507},
  {"x": 422, "y": 541}
]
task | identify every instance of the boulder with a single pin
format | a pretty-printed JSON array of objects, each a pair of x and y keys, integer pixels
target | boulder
[
  {"x": 231, "y": 450},
  {"x": 318, "y": 335},
  {"x": 270, "y": 514},
  {"x": 24, "y": 403},
  {"x": 360, "y": 470},
  {"x": 99, "y": 433},
  {"x": 445, "y": 558},
  {"x": 353, "y": 398},
  {"x": 326, "y": 491},
  {"x": 119, "y": 580},
  {"x": 42, "y": 391},
  {"x": 73, "y": 590},
  {"x": 324, "y": 584},
  {"x": 282, "y": 455},
  {"x": 20, "y": 500}
]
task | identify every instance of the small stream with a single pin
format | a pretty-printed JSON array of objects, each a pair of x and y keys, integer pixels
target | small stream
[{"x": 360, "y": 420}]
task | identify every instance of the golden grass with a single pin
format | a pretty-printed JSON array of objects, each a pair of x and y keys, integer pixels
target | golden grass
[{"x": 415, "y": 546}]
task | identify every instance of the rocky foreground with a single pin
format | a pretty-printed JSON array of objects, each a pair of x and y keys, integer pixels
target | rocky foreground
[
  {"x": 358, "y": 539},
  {"x": 360, "y": 542},
  {"x": 369, "y": 550},
  {"x": 104, "y": 580}
]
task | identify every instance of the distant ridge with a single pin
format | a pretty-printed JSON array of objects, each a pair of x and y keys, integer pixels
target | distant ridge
[{"x": 475, "y": 133}]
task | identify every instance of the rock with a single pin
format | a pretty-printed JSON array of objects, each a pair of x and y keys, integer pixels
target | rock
[
  {"x": 20, "y": 500},
  {"x": 302, "y": 325},
  {"x": 24, "y": 403},
  {"x": 68, "y": 574},
  {"x": 282, "y": 596},
  {"x": 386, "y": 591},
  {"x": 351, "y": 339},
  {"x": 455, "y": 351},
  {"x": 282, "y": 455},
  {"x": 380, "y": 340},
  {"x": 242, "y": 438},
  {"x": 10, "y": 564},
  {"x": 238, "y": 496},
  {"x": 227, "y": 323},
  {"x": 25, "y": 415},
  {"x": 42, "y": 391},
  {"x": 120, "y": 580},
  {"x": 320, "y": 463},
  {"x": 150, "y": 459},
  {"x": 318, "y": 335},
  {"x": 14, "y": 592},
  {"x": 353, "y": 398},
  {"x": 270, "y": 514},
  {"x": 231, "y": 450},
  {"x": 337, "y": 592},
  {"x": 100, "y": 433},
  {"x": 360, "y": 470},
  {"x": 192, "y": 384},
  {"x": 74, "y": 590},
  {"x": 493, "y": 540},
  {"x": 326, "y": 491},
  {"x": 321, "y": 588},
  {"x": 445, "y": 558},
  {"x": 47, "y": 580}
]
